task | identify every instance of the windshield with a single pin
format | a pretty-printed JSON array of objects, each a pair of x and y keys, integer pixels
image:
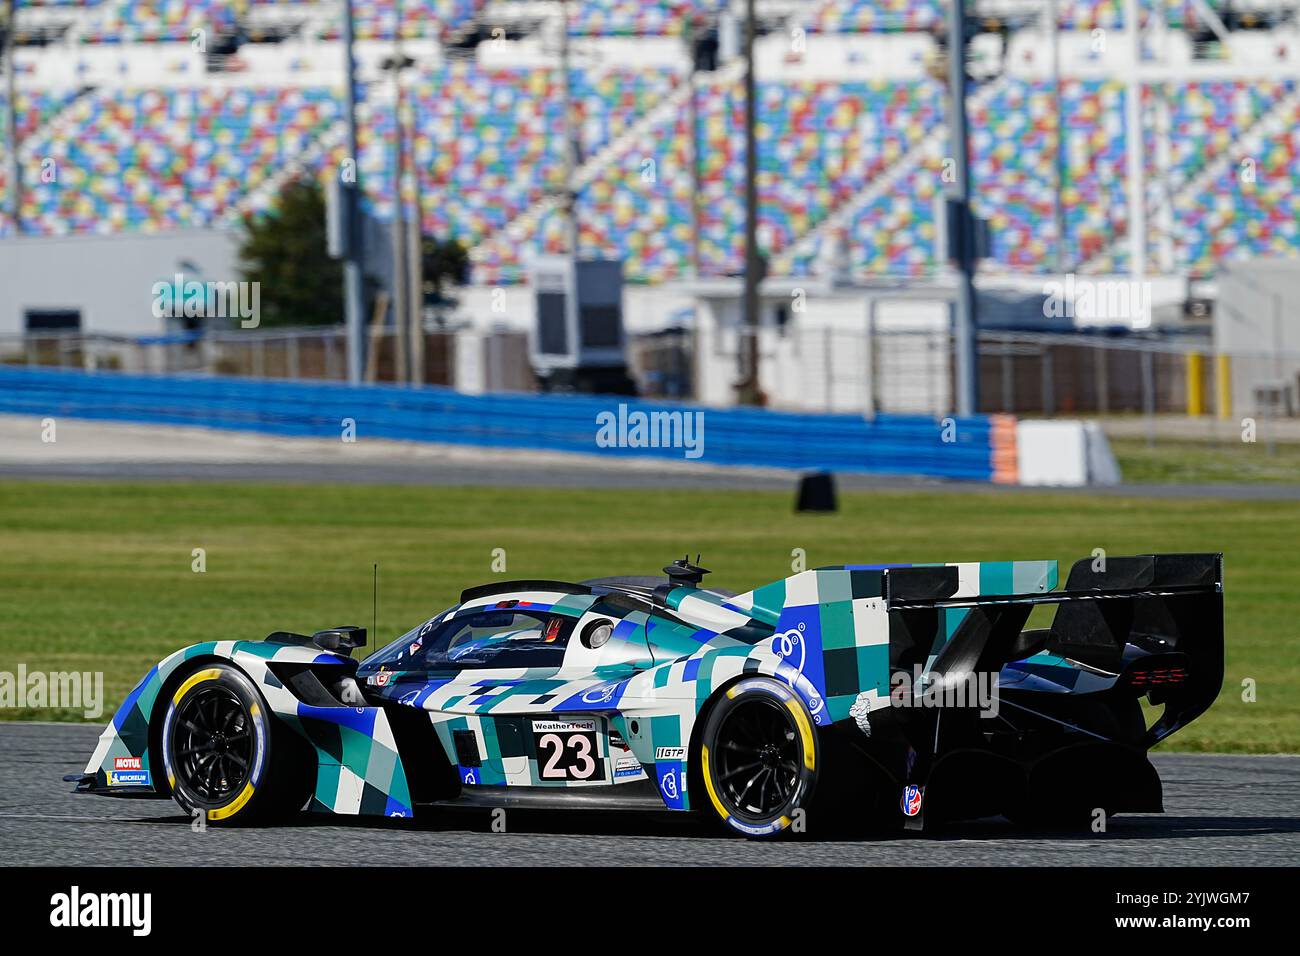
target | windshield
[{"x": 489, "y": 638}]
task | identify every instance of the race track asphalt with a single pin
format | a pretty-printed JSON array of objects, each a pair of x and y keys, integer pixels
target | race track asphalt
[
  {"x": 492, "y": 474},
  {"x": 1220, "y": 811},
  {"x": 94, "y": 450}
]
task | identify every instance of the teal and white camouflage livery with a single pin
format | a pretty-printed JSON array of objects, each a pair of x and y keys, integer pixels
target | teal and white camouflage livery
[
  {"x": 903, "y": 693},
  {"x": 358, "y": 770}
]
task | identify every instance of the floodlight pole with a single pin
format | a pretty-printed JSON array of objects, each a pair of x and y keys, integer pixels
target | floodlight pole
[
  {"x": 350, "y": 192},
  {"x": 748, "y": 392},
  {"x": 1058, "y": 157},
  {"x": 397, "y": 228},
  {"x": 964, "y": 323},
  {"x": 1137, "y": 213},
  {"x": 11, "y": 122},
  {"x": 568, "y": 159},
  {"x": 693, "y": 118},
  {"x": 415, "y": 258}
]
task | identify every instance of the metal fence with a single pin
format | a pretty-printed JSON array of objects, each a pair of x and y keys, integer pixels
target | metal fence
[
  {"x": 1046, "y": 375},
  {"x": 313, "y": 354},
  {"x": 1027, "y": 374},
  {"x": 835, "y": 370}
]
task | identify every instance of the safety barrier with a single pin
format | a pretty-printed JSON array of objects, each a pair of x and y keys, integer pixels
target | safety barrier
[{"x": 960, "y": 448}]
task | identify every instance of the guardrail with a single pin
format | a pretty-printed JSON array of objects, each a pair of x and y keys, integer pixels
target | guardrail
[{"x": 961, "y": 448}]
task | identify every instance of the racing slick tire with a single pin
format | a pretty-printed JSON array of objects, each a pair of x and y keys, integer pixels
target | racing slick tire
[
  {"x": 218, "y": 740},
  {"x": 758, "y": 757}
]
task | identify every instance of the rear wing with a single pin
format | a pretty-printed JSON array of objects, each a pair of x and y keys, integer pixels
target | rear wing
[
  {"x": 1111, "y": 612},
  {"x": 1091, "y": 579}
]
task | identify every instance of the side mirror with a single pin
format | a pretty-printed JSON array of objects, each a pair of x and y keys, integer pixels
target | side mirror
[{"x": 336, "y": 638}]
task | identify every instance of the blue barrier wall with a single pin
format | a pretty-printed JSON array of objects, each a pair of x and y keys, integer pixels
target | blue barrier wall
[{"x": 888, "y": 444}]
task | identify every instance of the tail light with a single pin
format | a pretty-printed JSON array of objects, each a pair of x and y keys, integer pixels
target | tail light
[
  {"x": 1156, "y": 674},
  {"x": 1158, "y": 677}
]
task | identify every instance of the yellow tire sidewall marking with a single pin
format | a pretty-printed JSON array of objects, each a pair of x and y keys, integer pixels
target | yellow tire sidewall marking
[
  {"x": 708, "y": 784},
  {"x": 805, "y": 733},
  {"x": 230, "y": 809},
  {"x": 198, "y": 677}
]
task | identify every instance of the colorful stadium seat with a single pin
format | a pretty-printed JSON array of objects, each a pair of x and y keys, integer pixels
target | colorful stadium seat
[
  {"x": 1109, "y": 14},
  {"x": 133, "y": 21},
  {"x": 154, "y": 160},
  {"x": 377, "y": 19},
  {"x": 638, "y": 17},
  {"x": 487, "y": 147},
  {"x": 487, "y": 140},
  {"x": 1247, "y": 209},
  {"x": 820, "y": 143},
  {"x": 1014, "y": 170}
]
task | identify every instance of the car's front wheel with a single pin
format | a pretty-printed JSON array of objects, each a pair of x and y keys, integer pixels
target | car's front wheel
[
  {"x": 216, "y": 745},
  {"x": 758, "y": 757}
]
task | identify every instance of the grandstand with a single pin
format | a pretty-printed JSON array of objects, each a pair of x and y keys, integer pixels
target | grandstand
[{"x": 172, "y": 114}]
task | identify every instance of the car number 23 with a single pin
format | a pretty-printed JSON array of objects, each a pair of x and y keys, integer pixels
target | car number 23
[{"x": 567, "y": 750}]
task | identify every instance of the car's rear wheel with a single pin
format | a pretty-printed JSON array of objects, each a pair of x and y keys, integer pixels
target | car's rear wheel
[
  {"x": 217, "y": 746},
  {"x": 758, "y": 757}
]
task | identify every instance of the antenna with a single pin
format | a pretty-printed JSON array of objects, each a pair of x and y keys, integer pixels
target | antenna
[{"x": 374, "y": 603}]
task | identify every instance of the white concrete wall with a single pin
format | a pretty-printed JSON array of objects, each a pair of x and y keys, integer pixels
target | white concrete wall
[
  {"x": 109, "y": 279},
  {"x": 780, "y": 55},
  {"x": 843, "y": 57},
  {"x": 1257, "y": 321},
  {"x": 1064, "y": 453},
  {"x": 162, "y": 65}
]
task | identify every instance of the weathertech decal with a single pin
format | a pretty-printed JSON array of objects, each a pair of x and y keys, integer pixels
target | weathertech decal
[{"x": 564, "y": 726}]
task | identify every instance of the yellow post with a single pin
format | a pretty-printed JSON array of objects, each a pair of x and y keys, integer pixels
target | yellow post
[
  {"x": 1223, "y": 381},
  {"x": 1195, "y": 386}
]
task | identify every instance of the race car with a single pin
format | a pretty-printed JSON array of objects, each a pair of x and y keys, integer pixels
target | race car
[{"x": 901, "y": 695}]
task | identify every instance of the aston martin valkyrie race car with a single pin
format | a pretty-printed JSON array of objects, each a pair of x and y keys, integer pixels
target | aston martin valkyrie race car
[{"x": 903, "y": 695}]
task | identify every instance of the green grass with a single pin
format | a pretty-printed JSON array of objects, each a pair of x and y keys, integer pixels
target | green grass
[
  {"x": 96, "y": 576},
  {"x": 1187, "y": 461}
]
